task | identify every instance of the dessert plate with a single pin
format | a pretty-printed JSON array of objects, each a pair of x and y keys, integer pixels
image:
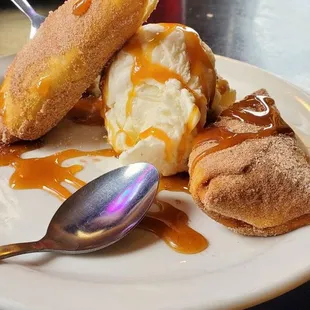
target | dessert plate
[{"x": 141, "y": 272}]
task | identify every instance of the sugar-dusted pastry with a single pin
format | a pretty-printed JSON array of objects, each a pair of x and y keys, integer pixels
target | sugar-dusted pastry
[
  {"x": 5, "y": 136},
  {"x": 249, "y": 172},
  {"x": 51, "y": 72}
]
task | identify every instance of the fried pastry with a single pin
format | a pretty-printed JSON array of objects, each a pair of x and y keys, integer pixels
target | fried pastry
[
  {"x": 49, "y": 75},
  {"x": 5, "y": 136},
  {"x": 249, "y": 172}
]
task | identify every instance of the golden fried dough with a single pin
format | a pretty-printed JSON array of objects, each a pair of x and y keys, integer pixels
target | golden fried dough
[
  {"x": 260, "y": 187},
  {"x": 51, "y": 72},
  {"x": 5, "y": 136}
]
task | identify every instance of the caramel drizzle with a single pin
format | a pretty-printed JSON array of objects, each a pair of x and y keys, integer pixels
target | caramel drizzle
[
  {"x": 255, "y": 110},
  {"x": 171, "y": 224},
  {"x": 130, "y": 140},
  {"x": 176, "y": 183},
  {"x": 81, "y": 7},
  {"x": 45, "y": 173},
  {"x": 144, "y": 68},
  {"x": 162, "y": 136},
  {"x": 43, "y": 86}
]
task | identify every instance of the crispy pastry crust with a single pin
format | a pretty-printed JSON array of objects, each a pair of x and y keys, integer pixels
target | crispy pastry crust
[{"x": 257, "y": 188}]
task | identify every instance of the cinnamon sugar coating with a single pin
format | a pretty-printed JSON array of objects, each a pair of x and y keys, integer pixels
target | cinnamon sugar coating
[{"x": 260, "y": 187}]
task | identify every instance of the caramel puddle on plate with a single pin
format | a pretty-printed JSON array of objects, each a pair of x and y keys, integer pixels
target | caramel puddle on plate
[
  {"x": 171, "y": 224},
  {"x": 176, "y": 183},
  {"x": 47, "y": 173}
]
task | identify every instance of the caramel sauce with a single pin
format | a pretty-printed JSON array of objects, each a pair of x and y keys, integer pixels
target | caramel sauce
[
  {"x": 145, "y": 69},
  {"x": 130, "y": 141},
  {"x": 255, "y": 110},
  {"x": 176, "y": 183},
  {"x": 87, "y": 111},
  {"x": 45, "y": 173},
  {"x": 171, "y": 225},
  {"x": 43, "y": 86},
  {"x": 160, "y": 135},
  {"x": 129, "y": 105},
  {"x": 81, "y": 7}
]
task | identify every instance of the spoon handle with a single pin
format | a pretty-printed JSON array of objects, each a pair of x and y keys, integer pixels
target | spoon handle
[
  {"x": 11, "y": 250},
  {"x": 25, "y": 7}
]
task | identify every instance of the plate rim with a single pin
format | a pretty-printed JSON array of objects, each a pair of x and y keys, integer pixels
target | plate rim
[{"x": 291, "y": 283}]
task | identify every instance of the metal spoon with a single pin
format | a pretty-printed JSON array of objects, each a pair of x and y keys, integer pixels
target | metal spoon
[
  {"x": 35, "y": 18},
  {"x": 97, "y": 215}
]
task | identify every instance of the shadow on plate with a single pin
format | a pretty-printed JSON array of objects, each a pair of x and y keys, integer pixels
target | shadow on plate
[{"x": 138, "y": 240}]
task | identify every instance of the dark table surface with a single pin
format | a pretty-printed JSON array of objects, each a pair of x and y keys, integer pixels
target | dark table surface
[{"x": 271, "y": 34}]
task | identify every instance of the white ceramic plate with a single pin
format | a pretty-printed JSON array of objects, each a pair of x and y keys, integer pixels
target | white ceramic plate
[{"x": 141, "y": 272}]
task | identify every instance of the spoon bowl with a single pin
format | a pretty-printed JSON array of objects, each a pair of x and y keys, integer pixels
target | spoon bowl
[{"x": 98, "y": 215}]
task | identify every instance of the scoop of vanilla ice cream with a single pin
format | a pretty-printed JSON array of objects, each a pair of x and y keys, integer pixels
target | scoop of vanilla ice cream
[{"x": 150, "y": 117}]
